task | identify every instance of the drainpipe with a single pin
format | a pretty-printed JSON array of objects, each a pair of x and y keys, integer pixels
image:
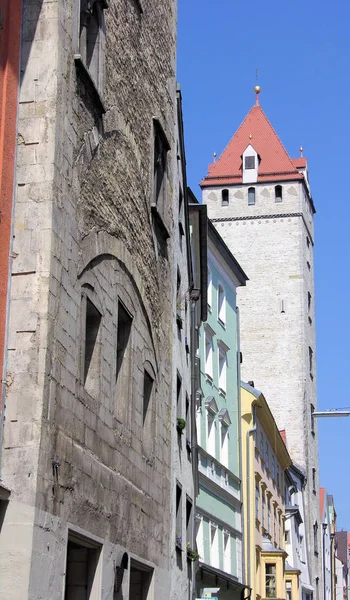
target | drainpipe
[
  {"x": 249, "y": 432},
  {"x": 194, "y": 446},
  {"x": 240, "y": 436}
]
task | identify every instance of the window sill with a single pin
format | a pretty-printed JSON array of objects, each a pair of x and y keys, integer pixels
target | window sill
[
  {"x": 222, "y": 392},
  {"x": 222, "y": 323},
  {"x": 79, "y": 63},
  {"x": 159, "y": 221},
  {"x": 209, "y": 378}
]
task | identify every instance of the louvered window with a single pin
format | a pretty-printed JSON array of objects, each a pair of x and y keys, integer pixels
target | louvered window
[{"x": 249, "y": 162}]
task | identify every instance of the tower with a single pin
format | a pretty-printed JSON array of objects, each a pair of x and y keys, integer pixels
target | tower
[{"x": 260, "y": 201}]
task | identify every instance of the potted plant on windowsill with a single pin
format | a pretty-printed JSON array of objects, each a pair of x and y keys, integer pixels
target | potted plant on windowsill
[
  {"x": 180, "y": 424},
  {"x": 192, "y": 555}
]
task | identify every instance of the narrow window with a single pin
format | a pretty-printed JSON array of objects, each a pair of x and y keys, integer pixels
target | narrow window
[
  {"x": 214, "y": 546},
  {"x": 308, "y": 301},
  {"x": 199, "y": 535},
  {"x": 270, "y": 580},
  {"x": 221, "y": 304},
  {"x": 263, "y": 503},
  {"x": 314, "y": 481},
  {"x": 82, "y": 569},
  {"x": 310, "y": 361},
  {"x": 92, "y": 348},
  {"x": 278, "y": 193},
  {"x": 288, "y": 590},
  {"x": 208, "y": 355},
  {"x": 188, "y": 521},
  {"x": 257, "y": 500},
  {"x": 249, "y": 162},
  {"x": 140, "y": 581},
  {"x": 267, "y": 455},
  {"x": 224, "y": 198},
  {"x": 123, "y": 361},
  {"x": 91, "y": 37},
  {"x": 273, "y": 466},
  {"x": 308, "y": 241},
  {"x": 178, "y": 396},
  {"x": 227, "y": 552},
  {"x": 123, "y": 336},
  {"x": 178, "y": 512},
  {"x": 315, "y": 527},
  {"x": 161, "y": 148},
  {"x": 211, "y": 441},
  {"x": 210, "y": 289},
  {"x": 251, "y": 196},
  {"x": 269, "y": 515},
  {"x": 147, "y": 413},
  {"x": 312, "y": 410},
  {"x": 222, "y": 369},
  {"x": 188, "y": 422},
  {"x": 224, "y": 445}
]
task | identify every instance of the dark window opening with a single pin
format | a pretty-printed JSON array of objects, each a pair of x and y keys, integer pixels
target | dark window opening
[
  {"x": 92, "y": 347},
  {"x": 278, "y": 193},
  {"x": 161, "y": 148},
  {"x": 178, "y": 397},
  {"x": 312, "y": 409},
  {"x": 123, "y": 335},
  {"x": 81, "y": 570},
  {"x": 140, "y": 581},
  {"x": 249, "y": 162},
  {"x": 188, "y": 521},
  {"x": 147, "y": 393},
  {"x": 91, "y": 24},
  {"x": 310, "y": 361},
  {"x": 315, "y": 527},
  {"x": 314, "y": 481},
  {"x": 179, "y": 514},
  {"x": 251, "y": 196},
  {"x": 224, "y": 198}
]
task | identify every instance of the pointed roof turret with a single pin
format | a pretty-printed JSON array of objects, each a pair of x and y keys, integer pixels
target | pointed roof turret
[{"x": 274, "y": 161}]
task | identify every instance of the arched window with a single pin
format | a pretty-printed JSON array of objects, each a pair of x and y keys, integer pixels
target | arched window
[
  {"x": 278, "y": 193},
  {"x": 221, "y": 304},
  {"x": 224, "y": 198},
  {"x": 251, "y": 196}
]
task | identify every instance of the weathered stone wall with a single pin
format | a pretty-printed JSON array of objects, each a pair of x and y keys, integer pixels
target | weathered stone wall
[{"x": 83, "y": 225}]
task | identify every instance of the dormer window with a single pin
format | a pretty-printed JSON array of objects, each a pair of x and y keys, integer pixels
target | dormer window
[
  {"x": 251, "y": 194},
  {"x": 278, "y": 193},
  {"x": 249, "y": 162},
  {"x": 224, "y": 198}
]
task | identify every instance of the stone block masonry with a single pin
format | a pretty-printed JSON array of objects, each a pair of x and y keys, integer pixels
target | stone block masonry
[{"x": 86, "y": 460}]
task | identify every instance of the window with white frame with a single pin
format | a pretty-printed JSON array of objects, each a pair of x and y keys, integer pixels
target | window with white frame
[
  {"x": 214, "y": 545},
  {"x": 211, "y": 433},
  {"x": 199, "y": 535},
  {"x": 199, "y": 425},
  {"x": 222, "y": 369},
  {"x": 210, "y": 289},
  {"x": 221, "y": 304},
  {"x": 224, "y": 445},
  {"x": 257, "y": 500},
  {"x": 208, "y": 341},
  {"x": 227, "y": 552},
  {"x": 225, "y": 422}
]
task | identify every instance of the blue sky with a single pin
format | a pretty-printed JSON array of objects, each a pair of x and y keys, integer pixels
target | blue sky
[{"x": 302, "y": 52}]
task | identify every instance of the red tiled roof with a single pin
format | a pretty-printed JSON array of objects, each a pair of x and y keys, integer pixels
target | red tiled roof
[
  {"x": 322, "y": 492},
  {"x": 299, "y": 163},
  {"x": 275, "y": 163}
]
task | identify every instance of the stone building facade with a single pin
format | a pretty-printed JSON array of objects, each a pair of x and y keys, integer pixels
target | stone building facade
[
  {"x": 260, "y": 201},
  {"x": 87, "y": 437}
]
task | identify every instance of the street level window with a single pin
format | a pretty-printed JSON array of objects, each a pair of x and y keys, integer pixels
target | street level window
[
  {"x": 82, "y": 568},
  {"x": 140, "y": 581}
]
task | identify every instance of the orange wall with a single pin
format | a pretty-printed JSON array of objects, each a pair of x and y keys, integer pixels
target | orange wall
[{"x": 10, "y": 38}]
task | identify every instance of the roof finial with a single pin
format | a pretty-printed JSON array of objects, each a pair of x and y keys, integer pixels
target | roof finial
[
  {"x": 214, "y": 155},
  {"x": 257, "y": 91},
  {"x": 301, "y": 151},
  {"x": 257, "y": 88}
]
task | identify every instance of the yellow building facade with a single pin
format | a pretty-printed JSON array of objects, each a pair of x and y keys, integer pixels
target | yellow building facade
[{"x": 264, "y": 461}]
